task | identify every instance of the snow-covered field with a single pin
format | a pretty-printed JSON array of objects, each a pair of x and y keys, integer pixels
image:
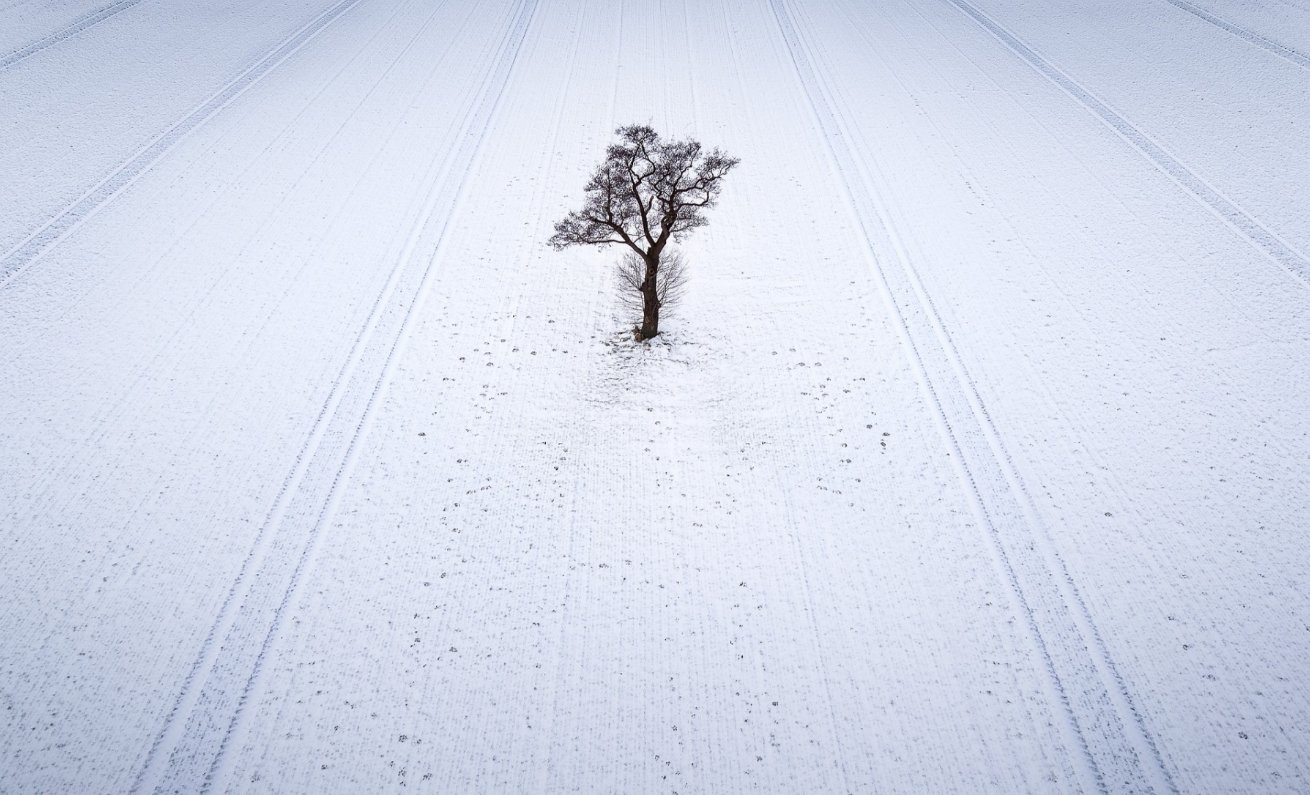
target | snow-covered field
[{"x": 977, "y": 460}]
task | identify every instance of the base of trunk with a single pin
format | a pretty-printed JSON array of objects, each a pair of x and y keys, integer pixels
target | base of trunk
[{"x": 650, "y": 323}]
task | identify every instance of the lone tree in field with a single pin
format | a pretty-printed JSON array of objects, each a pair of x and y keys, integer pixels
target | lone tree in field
[{"x": 647, "y": 192}]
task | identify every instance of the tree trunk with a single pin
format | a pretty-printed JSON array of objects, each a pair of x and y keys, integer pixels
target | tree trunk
[{"x": 650, "y": 298}]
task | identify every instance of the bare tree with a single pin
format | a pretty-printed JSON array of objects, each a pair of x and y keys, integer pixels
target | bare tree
[
  {"x": 645, "y": 193},
  {"x": 670, "y": 281}
]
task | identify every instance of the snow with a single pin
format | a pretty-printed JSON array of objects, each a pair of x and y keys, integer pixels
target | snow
[{"x": 974, "y": 461}]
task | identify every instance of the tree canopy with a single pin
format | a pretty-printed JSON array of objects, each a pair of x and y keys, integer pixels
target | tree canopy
[{"x": 645, "y": 193}]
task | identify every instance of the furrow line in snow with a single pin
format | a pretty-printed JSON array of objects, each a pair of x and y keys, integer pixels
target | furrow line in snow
[
  {"x": 73, "y": 28},
  {"x": 19, "y": 258},
  {"x": 547, "y": 769},
  {"x": 1257, "y": 234},
  {"x": 447, "y": 197},
  {"x": 1113, "y": 750},
  {"x": 194, "y": 747},
  {"x": 115, "y": 408},
  {"x": 171, "y": 733},
  {"x": 1281, "y": 50}
]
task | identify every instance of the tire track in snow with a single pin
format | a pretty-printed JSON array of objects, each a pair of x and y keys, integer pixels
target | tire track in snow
[
  {"x": 114, "y": 410},
  {"x": 73, "y": 28},
  {"x": 192, "y": 750},
  {"x": 1281, "y": 50},
  {"x": 185, "y": 702},
  {"x": 1256, "y": 233},
  {"x": 1100, "y": 721},
  {"x": 1058, "y": 567},
  {"x": 19, "y": 258}
]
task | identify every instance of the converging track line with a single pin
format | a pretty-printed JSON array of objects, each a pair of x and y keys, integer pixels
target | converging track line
[
  {"x": 1281, "y": 50},
  {"x": 210, "y": 719},
  {"x": 1256, "y": 233},
  {"x": 455, "y": 176},
  {"x": 73, "y": 28},
  {"x": 1112, "y": 750},
  {"x": 19, "y": 258}
]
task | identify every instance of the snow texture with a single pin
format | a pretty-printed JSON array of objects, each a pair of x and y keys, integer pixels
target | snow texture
[{"x": 974, "y": 461}]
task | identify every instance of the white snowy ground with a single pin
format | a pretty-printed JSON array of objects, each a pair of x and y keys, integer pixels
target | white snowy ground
[{"x": 976, "y": 460}]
